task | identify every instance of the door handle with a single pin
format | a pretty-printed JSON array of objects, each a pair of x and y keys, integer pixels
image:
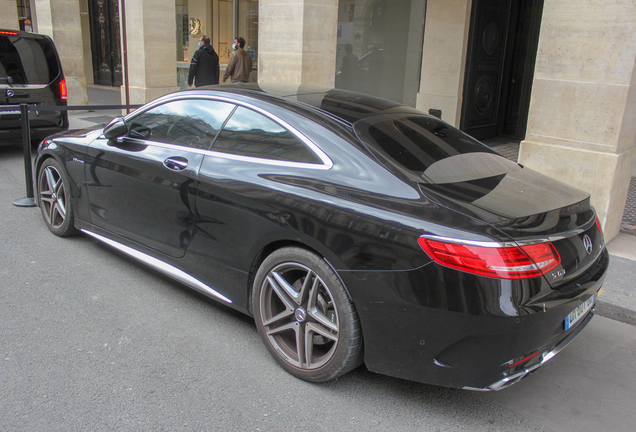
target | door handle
[{"x": 176, "y": 163}]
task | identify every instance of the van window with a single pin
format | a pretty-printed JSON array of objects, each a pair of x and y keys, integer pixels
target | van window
[{"x": 26, "y": 60}]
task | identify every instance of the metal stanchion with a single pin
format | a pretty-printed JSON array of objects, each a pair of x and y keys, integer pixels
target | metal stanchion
[{"x": 29, "y": 200}]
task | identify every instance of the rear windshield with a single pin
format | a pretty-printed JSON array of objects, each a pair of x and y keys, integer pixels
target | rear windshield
[
  {"x": 27, "y": 60},
  {"x": 429, "y": 149}
]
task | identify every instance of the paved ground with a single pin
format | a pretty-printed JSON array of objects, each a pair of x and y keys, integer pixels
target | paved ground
[{"x": 92, "y": 341}]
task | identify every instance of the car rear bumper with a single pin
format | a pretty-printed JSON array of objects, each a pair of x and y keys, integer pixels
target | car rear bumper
[
  {"x": 546, "y": 354},
  {"x": 464, "y": 331}
]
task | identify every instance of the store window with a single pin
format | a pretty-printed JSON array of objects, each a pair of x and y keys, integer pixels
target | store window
[
  {"x": 183, "y": 31},
  {"x": 248, "y": 27},
  {"x": 380, "y": 47},
  {"x": 221, "y": 21},
  {"x": 24, "y": 15}
]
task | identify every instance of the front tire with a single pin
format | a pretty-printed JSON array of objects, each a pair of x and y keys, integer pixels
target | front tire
[
  {"x": 304, "y": 316},
  {"x": 54, "y": 199}
]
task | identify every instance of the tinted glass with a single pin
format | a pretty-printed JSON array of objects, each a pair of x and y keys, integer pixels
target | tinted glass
[
  {"x": 431, "y": 149},
  {"x": 192, "y": 123},
  {"x": 249, "y": 133},
  {"x": 27, "y": 61}
]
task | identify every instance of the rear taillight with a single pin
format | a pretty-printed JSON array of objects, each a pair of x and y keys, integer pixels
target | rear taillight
[
  {"x": 63, "y": 92},
  {"x": 9, "y": 33},
  {"x": 598, "y": 225},
  {"x": 498, "y": 262}
]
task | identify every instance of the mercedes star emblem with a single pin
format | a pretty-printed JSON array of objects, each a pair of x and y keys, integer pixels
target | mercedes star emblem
[{"x": 587, "y": 242}]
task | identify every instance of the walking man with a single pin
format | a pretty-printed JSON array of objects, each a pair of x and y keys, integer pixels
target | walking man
[
  {"x": 204, "y": 68},
  {"x": 240, "y": 65}
]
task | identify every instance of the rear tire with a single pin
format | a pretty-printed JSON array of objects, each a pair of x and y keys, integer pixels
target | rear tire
[
  {"x": 54, "y": 199},
  {"x": 304, "y": 316}
]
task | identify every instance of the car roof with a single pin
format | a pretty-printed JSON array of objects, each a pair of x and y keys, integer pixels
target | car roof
[
  {"x": 29, "y": 35},
  {"x": 341, "y": 105}
]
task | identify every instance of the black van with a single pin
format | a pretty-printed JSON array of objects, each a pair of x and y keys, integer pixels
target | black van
[{"x": 30, "y": 72}]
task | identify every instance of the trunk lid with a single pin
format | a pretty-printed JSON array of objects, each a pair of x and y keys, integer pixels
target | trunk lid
[
  {"x": 457, "y": 172},
  {"x": 526, "y": 206}
]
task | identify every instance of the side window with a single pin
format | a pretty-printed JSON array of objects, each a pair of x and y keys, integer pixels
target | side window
[
  {"x": 249, "y": 133},
  {"x": 192, "y": 123}
]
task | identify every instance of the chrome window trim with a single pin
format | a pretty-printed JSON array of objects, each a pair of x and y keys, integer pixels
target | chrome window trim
[
  {"x": 162, "y": 267},
  {"x": 230, "y": 156},
  {"x": 327, "y": 163},
  {"x": 486, "y": 244}
]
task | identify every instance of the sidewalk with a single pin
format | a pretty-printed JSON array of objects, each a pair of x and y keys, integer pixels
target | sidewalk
[
  {"x": 617, "y": 302},
  {"x": 97, "y": 95}
]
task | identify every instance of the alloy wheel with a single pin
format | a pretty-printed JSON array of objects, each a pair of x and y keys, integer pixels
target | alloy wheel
[
  {"x": 299, "y": 315},
  {"x": 52, "y": 197}
]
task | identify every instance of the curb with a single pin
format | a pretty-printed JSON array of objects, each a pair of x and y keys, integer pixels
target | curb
[{"x": 617, "y": 313}]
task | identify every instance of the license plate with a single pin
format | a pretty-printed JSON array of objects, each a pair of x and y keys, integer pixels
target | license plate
[
  {"x": 13, "y": 111},
  {"x": 578, "y": 313}
]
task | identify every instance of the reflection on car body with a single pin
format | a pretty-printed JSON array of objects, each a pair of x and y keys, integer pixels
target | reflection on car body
[{"x": 353, "y": 229}]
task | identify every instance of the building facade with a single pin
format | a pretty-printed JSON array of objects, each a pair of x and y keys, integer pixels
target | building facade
[{"x": 558, "y": 75}]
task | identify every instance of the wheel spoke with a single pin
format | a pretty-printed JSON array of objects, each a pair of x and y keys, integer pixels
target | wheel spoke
[
  {"x": 289, "y": 326},
  {"x": 321, "y": 330},
  {"x": 315, "y": 312},
  {"x": 50, "y": 179},
  {"x": 287, "y": 288},
  {"x": 304, "y": 291},
  {"x": 51, "y": 214},
  {"x": 300, "y": 347},
  {"x": 281, "y": 292},
  {"x": 309, "y": 344},
  {"x": 57, "y": 210},
  {"x": 61, "y": 207}
]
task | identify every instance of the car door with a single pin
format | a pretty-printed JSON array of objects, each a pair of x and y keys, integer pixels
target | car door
[{"x": 143, "y": 186}]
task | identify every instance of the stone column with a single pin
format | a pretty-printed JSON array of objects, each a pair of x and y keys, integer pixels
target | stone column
[
  {"x": 297, "y": 42},
  {"x": 152, "y": 59},
  {"x": 582, "y": 121},
  {"x": 444, "y": 58},
  {"x": 60, "y": 19},
  {"x": 9, "y": 15}
]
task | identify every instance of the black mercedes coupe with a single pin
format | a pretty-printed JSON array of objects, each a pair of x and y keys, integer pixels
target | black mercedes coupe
[{"x": 353, "y": 229}]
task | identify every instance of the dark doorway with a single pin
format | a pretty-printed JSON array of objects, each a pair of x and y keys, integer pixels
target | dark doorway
[
  {"x": 105, "y": 42},
  {"x": 502, "y": 50}
]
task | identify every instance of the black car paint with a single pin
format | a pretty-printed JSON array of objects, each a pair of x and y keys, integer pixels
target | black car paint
[
  {"x": 420, "y": 321},
  {"x": 43, "y": 123}
]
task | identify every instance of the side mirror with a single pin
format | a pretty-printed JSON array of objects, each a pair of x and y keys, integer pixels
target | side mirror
[{"x": 115, "y": 128}]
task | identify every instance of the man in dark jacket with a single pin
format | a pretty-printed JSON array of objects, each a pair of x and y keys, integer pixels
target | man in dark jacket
[{"x": 204, "y": 68}]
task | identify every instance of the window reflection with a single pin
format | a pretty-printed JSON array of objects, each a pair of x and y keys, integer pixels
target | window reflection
[
  {"x": 192, "y": 123},
  {"x": 429, "y": 149},
  {"x": 380, "y": 47},
  {"x": 249, "y": 133}
]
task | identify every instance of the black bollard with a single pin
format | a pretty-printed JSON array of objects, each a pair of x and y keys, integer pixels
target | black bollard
[{"x": 29, "y": 200}]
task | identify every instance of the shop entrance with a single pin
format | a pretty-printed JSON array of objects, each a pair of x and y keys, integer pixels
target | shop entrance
[
  {"x": 105, "y": 42},
  {"x": 502, "y": 49}
]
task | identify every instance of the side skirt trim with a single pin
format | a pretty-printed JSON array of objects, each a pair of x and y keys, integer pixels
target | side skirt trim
[{"x": 162, "y": 267}]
